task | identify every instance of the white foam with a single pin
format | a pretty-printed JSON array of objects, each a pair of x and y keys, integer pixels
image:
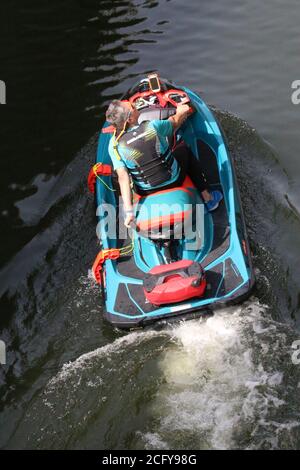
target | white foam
[
  {"x": 216, "y": 380},
  {"x": 212, "y": 383},
  {"x": 152, "y": 440},
  {"x": 86, "y": 360}
]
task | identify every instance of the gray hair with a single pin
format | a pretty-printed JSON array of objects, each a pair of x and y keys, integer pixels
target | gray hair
[{"x": 116, "y": 114}]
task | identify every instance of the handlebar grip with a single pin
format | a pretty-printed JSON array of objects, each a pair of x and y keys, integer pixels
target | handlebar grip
[{"x": 185, "y": 100}]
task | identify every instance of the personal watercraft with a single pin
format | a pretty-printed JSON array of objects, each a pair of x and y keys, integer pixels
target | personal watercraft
[{"x": 160, "y": 271}]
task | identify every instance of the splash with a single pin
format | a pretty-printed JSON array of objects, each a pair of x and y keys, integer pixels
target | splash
[
  {"x": 219, "y": 390},
  {"x": 86, "y": 361}
]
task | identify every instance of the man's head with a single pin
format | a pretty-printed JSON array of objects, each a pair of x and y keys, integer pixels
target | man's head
[{"x": 120, "y": 112}]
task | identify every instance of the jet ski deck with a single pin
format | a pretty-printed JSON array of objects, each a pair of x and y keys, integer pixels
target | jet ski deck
[{"x": 224, "y": 255}]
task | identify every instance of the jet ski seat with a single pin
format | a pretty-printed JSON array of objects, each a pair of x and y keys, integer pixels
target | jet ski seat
[{"x": 166, "y": 210}]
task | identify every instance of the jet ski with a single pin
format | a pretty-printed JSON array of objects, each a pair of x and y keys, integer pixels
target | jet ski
[{"x": 178, "y": 260}]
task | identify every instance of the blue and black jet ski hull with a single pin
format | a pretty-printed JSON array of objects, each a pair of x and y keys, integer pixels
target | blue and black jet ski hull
[{"x": 225, "y": 258}]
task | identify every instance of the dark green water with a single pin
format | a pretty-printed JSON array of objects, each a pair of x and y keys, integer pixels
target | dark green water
[{"x": 71, "y": 381}]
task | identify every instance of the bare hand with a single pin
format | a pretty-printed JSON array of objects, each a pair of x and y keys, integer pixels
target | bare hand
[
  {"x": 183, "y": 109},
  {"x": 128, "y": 219}
]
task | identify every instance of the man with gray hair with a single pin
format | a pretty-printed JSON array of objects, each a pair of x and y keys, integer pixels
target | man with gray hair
[
  {"x": 142, "y": 151},
  {"x": 117, "y": 114}
]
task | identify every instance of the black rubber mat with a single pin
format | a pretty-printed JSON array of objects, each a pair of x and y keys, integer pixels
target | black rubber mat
[
  {"x": 221, "y": 236},
  {"x": 127, "y": 267},
  {"x": 232, "y": 277},
  {"x": 208, "y": 162},
  {"x": 124, "y": 304}
]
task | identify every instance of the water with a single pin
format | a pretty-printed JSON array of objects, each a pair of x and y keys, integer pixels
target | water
[{"x": 71, "y": 381}]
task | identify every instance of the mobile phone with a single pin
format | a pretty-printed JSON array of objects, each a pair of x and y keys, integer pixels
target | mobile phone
[{"x": 154, "y": 82}]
